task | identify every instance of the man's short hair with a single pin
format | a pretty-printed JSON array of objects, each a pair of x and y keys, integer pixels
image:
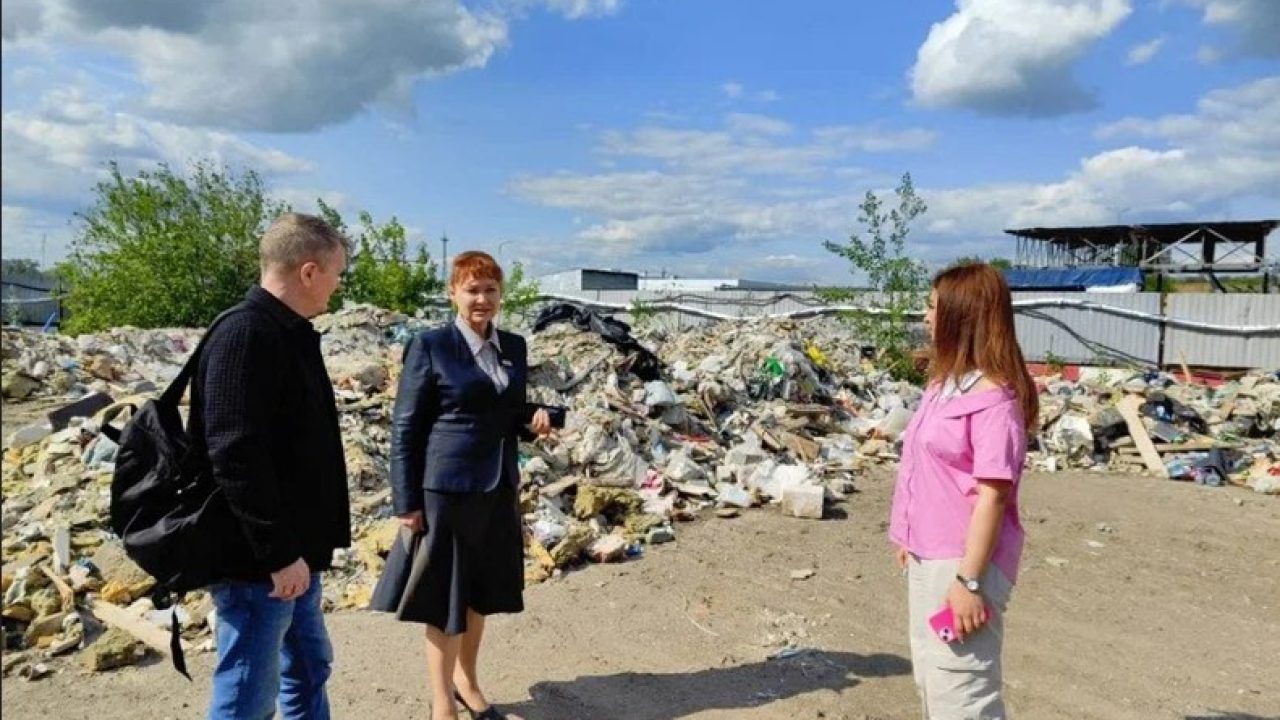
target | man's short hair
[{"x": 295, "y": 239}]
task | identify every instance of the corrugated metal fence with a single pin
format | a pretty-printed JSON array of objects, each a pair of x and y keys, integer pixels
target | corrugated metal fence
[
  {"x": 27, "y": 299},
  {"x": 1075, "y": 335},
  {"x": 1210, "y": 349},
  {"x": 1068, "y": 334}
]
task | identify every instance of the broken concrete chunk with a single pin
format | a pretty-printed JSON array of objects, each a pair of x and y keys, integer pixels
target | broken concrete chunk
[
  {"x": 27, "y": 435},
  {"x": 114, "y": 649},
  {"x": 802, "y": 501},
  {"x": 19, "y": 386}
]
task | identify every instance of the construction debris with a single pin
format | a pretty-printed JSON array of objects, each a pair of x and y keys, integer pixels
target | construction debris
[
  {"x": 661, "y": 429},
  {"x": 1151, "y": 422}
]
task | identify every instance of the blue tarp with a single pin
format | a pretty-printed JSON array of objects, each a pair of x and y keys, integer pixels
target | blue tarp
[{"x": 1072, "y": 278}]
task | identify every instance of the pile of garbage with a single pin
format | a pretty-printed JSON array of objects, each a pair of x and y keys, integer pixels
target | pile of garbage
[
  {"x": 1155, "y": 423},
  {"x": 661, "y": 429}
]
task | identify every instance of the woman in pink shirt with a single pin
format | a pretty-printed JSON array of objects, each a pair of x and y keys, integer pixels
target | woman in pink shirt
[{"x": 954, "y": 520}]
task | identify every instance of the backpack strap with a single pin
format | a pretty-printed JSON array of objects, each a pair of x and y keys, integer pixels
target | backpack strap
[{"x": 173, "y": 394}]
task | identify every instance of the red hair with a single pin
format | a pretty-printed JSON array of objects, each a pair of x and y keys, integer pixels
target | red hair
[
  {"x": 474, "y": 264},
  {"x": 973, "y": 330}
]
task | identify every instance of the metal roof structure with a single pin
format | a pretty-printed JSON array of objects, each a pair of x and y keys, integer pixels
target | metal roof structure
[{"x": 1166, "y": 247}]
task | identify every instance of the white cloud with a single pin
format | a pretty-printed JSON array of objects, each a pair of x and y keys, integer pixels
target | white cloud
[
  {"x": 1012, "y": 57},
  {"x": 21, "y": 19},
  {"x": 872, "y": 139},
  {"x": 761, "y": 125},
  {"x": 578, "y": 9},
  {"x": 1256, "y": 22},
  {"x": 752, "y": 145},
  {"x": 701, "y": 203},
  {"x": 1145, "y": 52},
  {"x": 59, "y": 150},
  {"x": 289, "y": 65},
  {"x": 1225, "y": 152},
  {"x": 34, "y": 235},
  {"x": 1239, "y": 121},
  {"x": 738, "y": 91},
  {"x": 790, "y": 260},
  {"x": 303, "y": 199},
  {"x": 748, "y": 182},
  {"x": 1208, "y": 55}
]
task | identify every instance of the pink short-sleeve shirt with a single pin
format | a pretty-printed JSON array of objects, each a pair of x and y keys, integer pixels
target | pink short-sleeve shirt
[{"x": 950, "y": 445}]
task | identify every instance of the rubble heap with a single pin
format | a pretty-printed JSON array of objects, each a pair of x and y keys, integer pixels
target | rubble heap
[
  {"x": 1151, "y": 422},
  {"x": 661, "y": 429}
]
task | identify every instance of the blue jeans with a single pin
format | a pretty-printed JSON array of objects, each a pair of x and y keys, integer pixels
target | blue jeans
[{"x": 270, "y": 649}]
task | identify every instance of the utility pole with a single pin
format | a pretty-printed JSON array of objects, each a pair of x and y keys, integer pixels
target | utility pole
[{"x": 444, "y": 256}]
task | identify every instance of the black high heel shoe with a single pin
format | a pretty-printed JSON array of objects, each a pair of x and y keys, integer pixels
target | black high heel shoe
[{"x": 490, "y": 713}]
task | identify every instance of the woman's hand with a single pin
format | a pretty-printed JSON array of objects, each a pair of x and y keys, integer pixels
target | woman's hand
[
  {"x": 413, "y": 521},
  {"x": 900, "y": 555},
  {"x": 541, "y": 423},
  {"x": 968, "y": 610}
]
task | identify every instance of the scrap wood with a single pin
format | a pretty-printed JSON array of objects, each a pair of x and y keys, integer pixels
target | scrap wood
[
  {"x": 1186, "y": 373},
  {"x": 1192, "y": 446},
  {"x": 810, "y": 409},
  {"x": 767, "y": 437},
  {"x": 576, "y": 380},
  {"x": 557, "y": 488},
  {"x": 803, "y": 447},
  {"x": 366, "y": 505},
  {"x": 153, "y": 637},
  {"x": 65, "y": 592},
  {"x": 1128, "y": 408}
]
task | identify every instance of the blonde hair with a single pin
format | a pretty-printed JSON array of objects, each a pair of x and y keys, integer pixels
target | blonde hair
[{"x": 294, "y": 239}]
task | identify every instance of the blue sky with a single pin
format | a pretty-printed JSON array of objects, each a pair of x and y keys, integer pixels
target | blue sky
[{"x": 713, "y": 137}]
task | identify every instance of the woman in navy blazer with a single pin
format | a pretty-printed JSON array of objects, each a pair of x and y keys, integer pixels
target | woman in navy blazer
[{"x": 459, "y": 415}]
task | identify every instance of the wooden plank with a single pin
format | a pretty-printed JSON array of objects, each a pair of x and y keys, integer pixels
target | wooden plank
[
  {"x": 67, "y": 595},
  {"x": 1128, "y": 408},
  {"x": 804, "y": 448},
  {"x": 557, "y": 488},
  {"x": 1186, "y": 372},
  {"x": 150, "y": 635},
  {"x": 1193, "y": 446}
]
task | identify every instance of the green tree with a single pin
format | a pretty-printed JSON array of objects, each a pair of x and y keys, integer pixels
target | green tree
[
  {"x": 897, "y": 283},
  {"x": 163, "y": 249},
  {"x": 380, "y": 272},
  {"x": 997, "y": 263},
  {"x": 19, "y": 266},
  {"x": 519, "y": 294}
]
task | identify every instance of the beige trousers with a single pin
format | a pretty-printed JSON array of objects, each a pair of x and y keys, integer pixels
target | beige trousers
[{"x": 957, "y": 681}]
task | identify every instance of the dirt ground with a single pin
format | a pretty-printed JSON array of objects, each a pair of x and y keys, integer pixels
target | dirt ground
[{"x": 1139, "y": 600}]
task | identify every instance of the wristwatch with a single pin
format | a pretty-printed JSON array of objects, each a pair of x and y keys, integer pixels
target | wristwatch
[{"x": 970, "y": 584}]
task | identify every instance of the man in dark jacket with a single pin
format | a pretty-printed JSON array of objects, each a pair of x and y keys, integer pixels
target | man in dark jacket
[{"x": 263, "y": 408}]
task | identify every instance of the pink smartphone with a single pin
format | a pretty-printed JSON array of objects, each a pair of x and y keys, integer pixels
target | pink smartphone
[{"x": 943, "y": 623}]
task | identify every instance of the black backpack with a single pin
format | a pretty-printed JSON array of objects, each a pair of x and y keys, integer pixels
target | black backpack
[{"x": 165, "y": 506}]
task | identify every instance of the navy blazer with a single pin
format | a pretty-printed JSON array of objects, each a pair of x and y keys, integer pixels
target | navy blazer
[{"x": 452, "y": 431}]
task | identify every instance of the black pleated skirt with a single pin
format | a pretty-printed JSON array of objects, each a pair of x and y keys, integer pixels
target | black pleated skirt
[{"x": 471, "y": 556}]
